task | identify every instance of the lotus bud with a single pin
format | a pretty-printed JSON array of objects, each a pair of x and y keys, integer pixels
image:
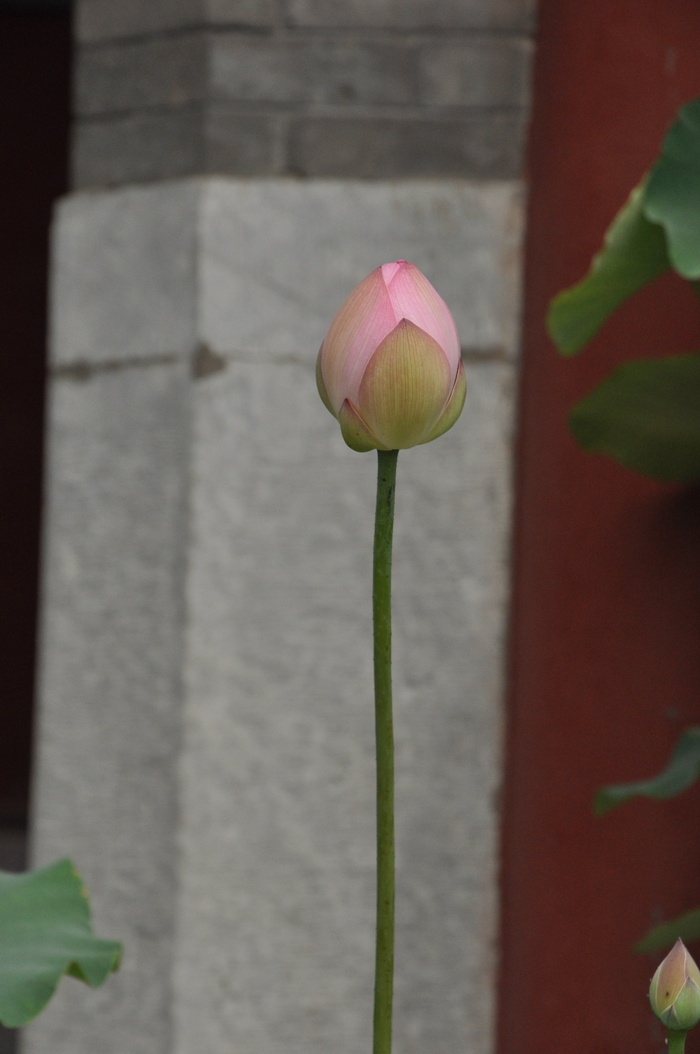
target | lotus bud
[
  {"x": 389, "y": 368},
  {"x": 675, "y": 990}
]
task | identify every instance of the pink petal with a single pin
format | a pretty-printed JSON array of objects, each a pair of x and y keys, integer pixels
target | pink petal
[
  {"x": 390, "y": 269},
  {"x": 414, "y": 298},
  {"x": 361, "y": 324}
]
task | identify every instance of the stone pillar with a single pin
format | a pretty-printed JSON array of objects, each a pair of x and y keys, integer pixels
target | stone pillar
[{"x": 205, "y": 741}]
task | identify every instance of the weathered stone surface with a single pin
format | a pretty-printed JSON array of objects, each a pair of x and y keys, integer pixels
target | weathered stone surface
[
  {"x": 205, "y": 746},
  {"x": 184, "y": 141},
  {"x": 124, "y": 283},
  {"x": 274, "y": 259},
  {"x": 169, "y": 71},
  {"x": 489, "y": 73},
  {"x": 231, "y": 138},
  {"x": 98, "y": 20},
  {"x": 249, "y": 141},
  {"x": 481, "y": 145},
  {"x": 316, "y": 69},
  {"x": 279, "y": 721},
  {"x": 111, "y": 690},
  {"x": 154, "y": 71},
  {"x": 102, "y": 20},
  {"x": 414, "y": 14},
  {"x": 262, "y": 13},
  {"x": 278, "y": 257},
  {"x": 139, "y": 147},
  {"x": 348, "y": 90}
]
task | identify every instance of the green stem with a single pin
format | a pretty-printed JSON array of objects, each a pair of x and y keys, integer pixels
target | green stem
[
  {"x": 381, "y": 608},
  {"x": 676, "y": 1041}
]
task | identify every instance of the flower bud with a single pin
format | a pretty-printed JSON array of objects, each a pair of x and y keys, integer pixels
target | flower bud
[
  {"x": 675, "y": 990},
  {"x": 389, "y": 368}
]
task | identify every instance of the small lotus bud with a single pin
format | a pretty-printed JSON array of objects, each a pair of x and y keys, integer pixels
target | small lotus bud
[
  {"x": 389, "y": 368},
  {"x": 675, "y": 990}
]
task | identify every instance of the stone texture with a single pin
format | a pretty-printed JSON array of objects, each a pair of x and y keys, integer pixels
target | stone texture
[
  {"x": 124, "y": 276},
  {"x": 205, "y": 747},
  {"x": 98, "y": 20},
  {"x": 315, "y": 70},
  {"x": 227, "y": 138},
  {"x": 185, "y": 141},
  {"x": 414, "y": 14},
  {"x": 103, "y": 20},
  {"x": 311, "y": 70},
  {"x": 482, "y": 146},
  {"x": 476, "y": 73},
  {"x": 139, "y": 147},
  {"x": 111, "y": 689},
  {"x": 281, "y": 723},
  {"x": 247, "y": 141},
  {"x": 272, "y": 260},
  {"x": 155, "y": 71},
  {"x": 350, "y": 90},
  {"x": 276, "y": 298},
  {"x": 251, "y": 13}
]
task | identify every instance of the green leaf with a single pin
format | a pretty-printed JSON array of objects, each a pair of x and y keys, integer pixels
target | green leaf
[
  {"x": 672, "y": 197},
  {"x": 633, "y": 253},
  {"x": 687, "y": 927},
  {"x": 682, "y": 771},
  {"x": 45, "y": 932},
  {"x": 646, "y": 414}
]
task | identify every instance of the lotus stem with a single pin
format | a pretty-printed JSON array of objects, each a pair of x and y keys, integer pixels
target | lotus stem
[
  {"x": 381, "y": 606},
  {"x": 676, "y": 1041}
]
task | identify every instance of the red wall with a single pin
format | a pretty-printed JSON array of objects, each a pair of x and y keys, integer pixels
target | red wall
[
  {"x": 605, "y": 636},
  {"x": 34, "y": 89}
]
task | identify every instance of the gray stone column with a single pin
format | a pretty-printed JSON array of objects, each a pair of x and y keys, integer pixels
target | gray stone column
[{"x": 205, "y": 740}]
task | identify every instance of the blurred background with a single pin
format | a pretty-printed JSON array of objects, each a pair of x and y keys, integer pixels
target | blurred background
[{"x": 498, "y": 137}]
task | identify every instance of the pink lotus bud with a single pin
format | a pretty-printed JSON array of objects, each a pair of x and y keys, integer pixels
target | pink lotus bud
[
  {"x": 389, "y": 368},
  {"x": 675, "y": 990}
]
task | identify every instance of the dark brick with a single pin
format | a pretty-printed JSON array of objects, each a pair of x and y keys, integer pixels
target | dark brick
[
  {"x": 263, "y": 13},
  {"x": 100, "y": 20},
  {"x": 103, "y": 20},
  {"x": 488, "y": 73},
  {"x": 157, "y": 71},
  {"x": 138, "y": 148},
  {"x": 142, "y": 147},
  {"x": 484, "y": 146},
  {"x": 409, "y": 100},
  {"x": 313, "y": 70},
  {"x": 246, "y": 144},
  {"x": 414, "y": 14}
]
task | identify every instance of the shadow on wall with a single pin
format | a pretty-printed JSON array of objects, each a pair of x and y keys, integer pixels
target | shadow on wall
[{"x": 33, "y": 37}]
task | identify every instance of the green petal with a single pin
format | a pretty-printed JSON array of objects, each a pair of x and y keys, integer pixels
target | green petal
[
  {"x": 453, "y": 409},
  {"x": 355, "y": 432},
  {"x": 405, "y": 387}
]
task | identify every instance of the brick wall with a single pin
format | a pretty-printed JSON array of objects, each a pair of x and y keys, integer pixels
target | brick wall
[{"x": 338, "y": 88}]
